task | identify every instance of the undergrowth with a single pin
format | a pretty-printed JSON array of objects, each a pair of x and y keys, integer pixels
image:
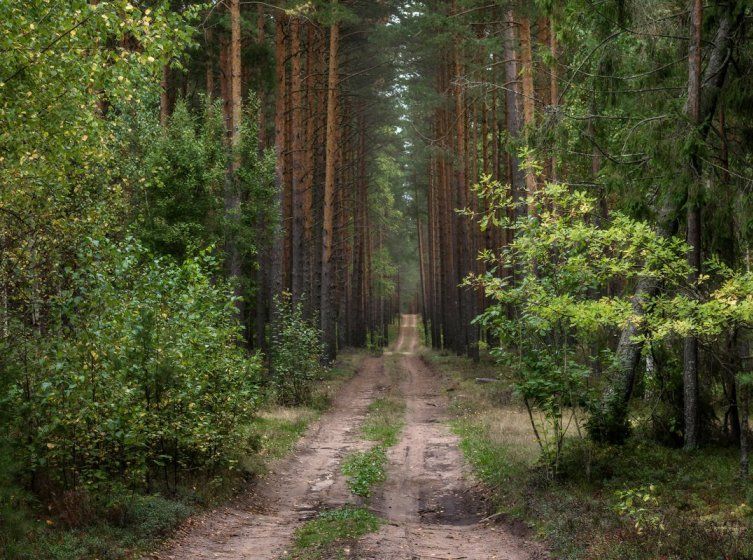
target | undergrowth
[
  {"x": 364, "y": 470},
  {"x": 124, "y": 524},
  {"x": 638, "y": 501}
]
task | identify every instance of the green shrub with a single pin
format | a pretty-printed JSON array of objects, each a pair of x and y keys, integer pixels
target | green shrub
[
  {"x": 154, "y": 516},
  {"x": 144, "y": 380},
  {"x": 297, "y": 354}
]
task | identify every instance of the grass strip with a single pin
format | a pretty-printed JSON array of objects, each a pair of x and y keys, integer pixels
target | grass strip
[
  {"x": 364, "y": 470},
  {"x": 331, "y": 534},
  {"x": 384, "y": 420}
]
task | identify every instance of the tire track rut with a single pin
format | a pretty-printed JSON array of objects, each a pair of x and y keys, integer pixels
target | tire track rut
[{"x": 428, "y": 500}]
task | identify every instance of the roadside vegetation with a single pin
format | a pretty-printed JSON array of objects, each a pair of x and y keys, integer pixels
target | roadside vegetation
[
  {"x": 332, "y": 534},
  {"x": 109, "y": 521},
  {"x": 641, "y": 500},
  {"x": 364, "y": 470}
]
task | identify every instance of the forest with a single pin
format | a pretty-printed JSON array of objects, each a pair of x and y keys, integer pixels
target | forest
[{"x": 328, "y": 279}]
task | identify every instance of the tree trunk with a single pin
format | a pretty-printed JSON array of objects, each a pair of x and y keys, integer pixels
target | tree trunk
[
  {"x": 277, "y": 274},
  {"x": 297, "y": 171},
  {"x": 209, "y": 63},
  {"x": 512, "y": 93},
  {"x": 231, "y": 194},
  {"x": 526, "y": 63},
  {"x": 262, "y": 116},
  {"x": 610, "y": 421},
  {"x": 690, "y": 350},
  {"x": 743, "y": 402},
  {"x": 327, "y": 309},
  {"x": 422, "y": 276}
]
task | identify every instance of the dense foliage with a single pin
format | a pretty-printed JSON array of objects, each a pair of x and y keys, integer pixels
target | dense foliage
[
  {"x": 201, "y": 203},
  {"x": 555, "y": 319},
  {"x": 297, "y": 355},
  {"x": 143, "y": 377},
  {"x": 123, "y": 364}
]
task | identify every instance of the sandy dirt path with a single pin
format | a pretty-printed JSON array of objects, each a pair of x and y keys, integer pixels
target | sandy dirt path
[
  {"x": 259, "y": 524},
  {"x": 428, "y": 499}
]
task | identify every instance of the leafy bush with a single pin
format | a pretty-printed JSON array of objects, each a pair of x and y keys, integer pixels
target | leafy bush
[
  {"x": 145, "y": 379},
  {"x": 554, "y": 322},
  {"x": 297, "y": 354}
]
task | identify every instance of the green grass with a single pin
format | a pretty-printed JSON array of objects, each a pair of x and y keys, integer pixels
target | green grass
[
  {"x": 364, "y": 470},
  {"x": 332, "y": 533},
  {"x": 384, "y": 420},
  {"x": 272, "y": 434},
  {"x": 700, "y": 509}
]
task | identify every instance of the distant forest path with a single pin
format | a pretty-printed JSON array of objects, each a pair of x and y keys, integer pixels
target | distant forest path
[
  {"x": 430, "y": 504},
  {"x": 429, "y": 501}
]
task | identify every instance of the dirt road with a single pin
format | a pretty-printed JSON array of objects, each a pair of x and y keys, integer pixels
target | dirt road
[
  {"x": 259, "y": 525},
  {"x": 428, "y": 500}
]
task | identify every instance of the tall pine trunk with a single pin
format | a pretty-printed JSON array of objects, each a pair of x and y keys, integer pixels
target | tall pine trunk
[
  {"x": 327, "y": 310},
  {"x": 232, "y": 194},
  {"x": 690, "y": 350}
]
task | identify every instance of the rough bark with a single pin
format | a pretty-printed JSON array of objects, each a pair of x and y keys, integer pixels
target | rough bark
[
  {"x": 512, "y": 94},
  {"x": 526, "y": 71},
  {"x": 743, "y": 402},
  {"x": 297, "y": 171},
  {"x": 276, "y": 274},
  {"x": 327, "y": 312},
  {"x": 231, "y": 194},
  {"x": 690, "y": 350}
]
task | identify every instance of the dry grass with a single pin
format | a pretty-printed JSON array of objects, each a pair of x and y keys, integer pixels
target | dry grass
[
  {"x": 509, "y": 426},
  {"x": 704, "y": 508},
  {"x": 287, "y": 414}
]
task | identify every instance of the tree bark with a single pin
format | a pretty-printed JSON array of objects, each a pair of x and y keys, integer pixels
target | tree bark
[
  {"x": 526, "y": 63},
  {"x": 231, "y": 194},
  {"x": 743, "y": 402},
  {"x": 690, "y": 350},
  {"x": 277, "y": 274},
  {"x": 327, "y": 309},
  {"x": 512, "y": 93},
  {"x": 297, "y": 171}
]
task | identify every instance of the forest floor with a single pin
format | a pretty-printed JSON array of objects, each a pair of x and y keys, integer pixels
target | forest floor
[
  {"x": 427, "y": 508},
  {"x": 641, "y": 500}
]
